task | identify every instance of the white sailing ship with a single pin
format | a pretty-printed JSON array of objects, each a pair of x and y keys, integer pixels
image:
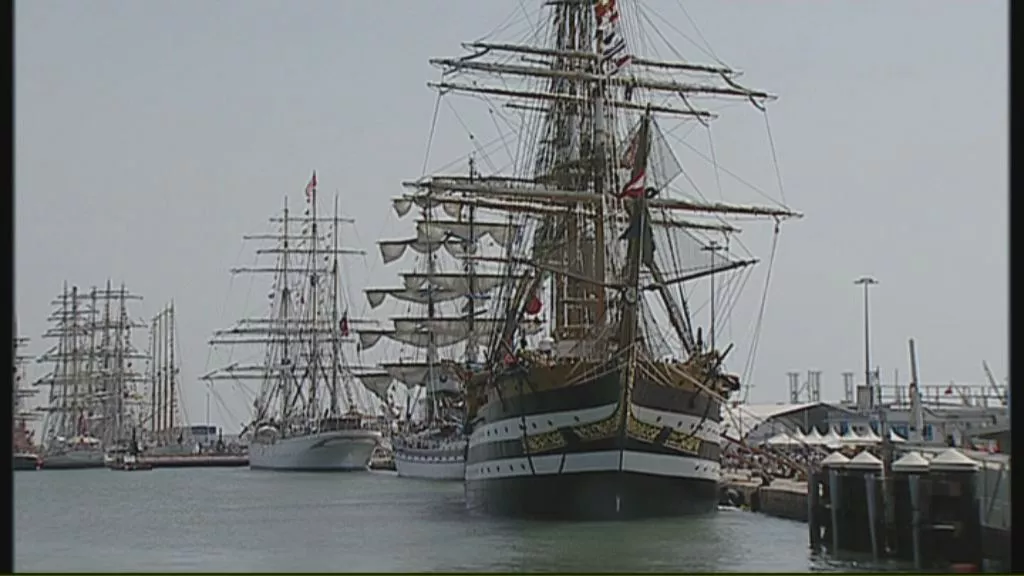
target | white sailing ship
[
  {"x": 305, "y": 416},
  {"x": 23, "y": 451},
  {"x": 93, "y": 392},
  {"x": 442, "y": 322}
]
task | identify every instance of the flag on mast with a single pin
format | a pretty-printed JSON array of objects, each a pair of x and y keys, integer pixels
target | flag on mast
[
  {"x": 611, "y": 44},
  {"x": 311, "y": 187}
]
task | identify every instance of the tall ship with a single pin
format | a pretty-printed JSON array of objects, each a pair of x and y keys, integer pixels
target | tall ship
[
  {"x": 443, "y": 316},
  {"x": 306, "y": 415},
  {"x": 24, "y": 452},
  {"x": 162, "y": 426},
  {"x": 94, "y": 385},
  {"x": 613, "y": 411}
]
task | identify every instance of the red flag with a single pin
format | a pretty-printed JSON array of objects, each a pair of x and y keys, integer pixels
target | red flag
[
  {"x": 311, "y": 187},
  {"x": 949, "y": 390},
  {"x": 343, "y": 324},
  {"x": 635, "y": 187}
]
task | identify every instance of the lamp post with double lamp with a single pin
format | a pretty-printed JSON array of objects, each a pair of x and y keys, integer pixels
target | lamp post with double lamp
[{"x": 867, "y": 282}]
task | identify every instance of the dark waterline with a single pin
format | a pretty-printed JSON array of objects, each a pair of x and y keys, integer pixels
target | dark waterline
[{"x": 237, "y": 520}]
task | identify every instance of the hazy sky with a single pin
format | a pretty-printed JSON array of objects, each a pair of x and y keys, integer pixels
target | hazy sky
[{"x": 150, "y": 136}]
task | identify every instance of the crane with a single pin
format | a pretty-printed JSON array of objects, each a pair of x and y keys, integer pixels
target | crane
[{"x": 1000, "y": 393}]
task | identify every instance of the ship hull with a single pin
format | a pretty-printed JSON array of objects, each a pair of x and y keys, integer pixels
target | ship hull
[
  {"x": 25, "y": 462},
  {"x": 442, "y": 463},
  {"x": 341, "y": 450},
  {"x": 571, "y": 453},
  {"x": 74, "y": 460}
]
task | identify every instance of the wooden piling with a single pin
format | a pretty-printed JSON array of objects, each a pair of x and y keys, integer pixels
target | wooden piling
[
  {"x": 832, "y": 465},
  {"x": 907, "y": 472},
  {"x": 955, "y": 517}
]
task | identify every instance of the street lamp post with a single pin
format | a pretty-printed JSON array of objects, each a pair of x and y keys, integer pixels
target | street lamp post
[{"x": 867, "y": 282}]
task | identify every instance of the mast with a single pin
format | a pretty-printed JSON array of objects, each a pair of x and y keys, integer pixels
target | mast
[
  {"x": 335, "y": 320},
  {"x": 431, "y": 314},
  {"x": 286, "y": 360},
  {"x": 469, "y": 247},
  {"x": 314, "y": 298},
  {"x": 76, "y": 414},
  {"x": 172, "y": 387},
  {"x": 154, "y": 387}
]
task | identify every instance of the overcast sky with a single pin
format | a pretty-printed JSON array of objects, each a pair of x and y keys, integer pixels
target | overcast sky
[{"x": 150, "y": 136}]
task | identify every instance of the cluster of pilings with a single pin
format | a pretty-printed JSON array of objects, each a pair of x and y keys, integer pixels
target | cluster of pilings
[{"x": 923, "y": 512}]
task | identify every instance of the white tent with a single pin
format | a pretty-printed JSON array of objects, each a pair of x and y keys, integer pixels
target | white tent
[
  {"x": 871, "y": 437},
  {"x": 781, "y": 439},
  {"x": 832, "y": 439},
  {"x": 851, "y": 438},
  {"x": 813, "y": 438},
  {"x": 896, "y": 438},
  {"x": 798, "y": 435}
]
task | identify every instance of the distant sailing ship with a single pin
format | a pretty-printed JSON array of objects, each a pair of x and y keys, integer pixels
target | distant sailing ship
[
  {"x": 599, "y": 417},
  {"x": 93, "y": 397},
  {"x": 447, "y": 297},
  {"x": 299, "y": 421},
  {"x": 165, "y": 431},
  {"x": 24, "y": 452}
]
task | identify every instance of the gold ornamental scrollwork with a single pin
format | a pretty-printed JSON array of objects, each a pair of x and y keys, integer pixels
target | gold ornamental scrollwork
[
  {"x": 601, "y": 429},
  {"x": 545, "y": 442}
]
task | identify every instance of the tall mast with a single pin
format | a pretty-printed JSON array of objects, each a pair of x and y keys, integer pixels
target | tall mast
[
  {"x": 314, "y": 360},
  {"x": 286, "y": 361},
  {"x": 469, "y": 248},
  {"x": 154, "y": 386},
  {"x": 335, "y": 320},
  {"x": 63, "y": 374},
  {"x": 91, "y": 369},
  {"x": 171, "y": 408},
  {"x": 122, "y": 335},
  {"x": 431, "y": 313}
]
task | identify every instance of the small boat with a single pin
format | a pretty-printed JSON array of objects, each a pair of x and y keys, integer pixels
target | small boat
[
  {"x": 127, "y": 458},
  {"x": 128, "y": 462},
  {"x": 26, "y": 461}
]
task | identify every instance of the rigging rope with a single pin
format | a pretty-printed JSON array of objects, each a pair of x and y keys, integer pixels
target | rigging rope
[
  {"x": 775, "y": 158},
  {"x": 748, "y": 369}
]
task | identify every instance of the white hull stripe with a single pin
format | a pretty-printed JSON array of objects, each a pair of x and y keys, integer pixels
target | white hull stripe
[
  {"x": 431, "y": 470},
  {"x": 606, "y": 461},
  {"x": 511, "y": 428}
]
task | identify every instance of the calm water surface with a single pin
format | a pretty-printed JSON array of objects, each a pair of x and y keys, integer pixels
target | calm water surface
[{"x": 239, "y": 520}]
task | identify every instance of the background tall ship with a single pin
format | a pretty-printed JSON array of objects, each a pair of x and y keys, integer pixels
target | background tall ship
[
  {"x": 446, "y": 321},
  {"x": 305, "y": 416},
  {"x": 613, "y": 412},
  {"x": 93, "y": 386},
  {"x": 161, "y": 421},
  {"x": 24, "y": 451}
]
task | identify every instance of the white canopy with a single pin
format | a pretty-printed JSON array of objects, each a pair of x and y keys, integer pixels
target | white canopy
[
  {"x": 832, "y": 439},
  {"x": 871, "y": 437},
  {"x": 781, "y": 439},
  {"x": 814, "y": 438},
  {"x": 850, "y": 437},
  {"x": 896, "y": 438}
]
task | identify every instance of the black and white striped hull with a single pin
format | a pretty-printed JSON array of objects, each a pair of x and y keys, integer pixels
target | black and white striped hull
[{"x": 617, "y": 476}]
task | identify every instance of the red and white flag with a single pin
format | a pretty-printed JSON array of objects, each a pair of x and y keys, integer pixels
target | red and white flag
[
  {"x": 311, "y": 187},
  {"x": 635, "y": 188},
  {"x": 611, "y": 43}
]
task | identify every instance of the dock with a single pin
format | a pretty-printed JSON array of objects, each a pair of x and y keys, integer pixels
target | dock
[
  {"x": 973, "y": 503},
  {"x": 197, "y": 461}
]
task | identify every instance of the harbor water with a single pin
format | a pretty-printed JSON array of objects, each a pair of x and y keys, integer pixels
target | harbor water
[{"x": 238, "y": 520}]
